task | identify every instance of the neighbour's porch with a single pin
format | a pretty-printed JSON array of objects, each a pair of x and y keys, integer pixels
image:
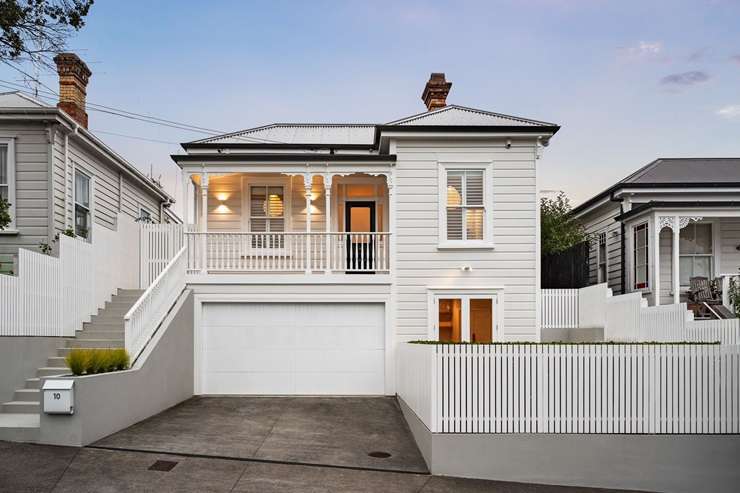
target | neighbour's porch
[
  {"x": 694, "y": 248},
  {"x": 309, "y": 223}
]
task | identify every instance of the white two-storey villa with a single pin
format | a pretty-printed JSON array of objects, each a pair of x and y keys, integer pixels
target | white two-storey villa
[{"x": 313, "y": 249}]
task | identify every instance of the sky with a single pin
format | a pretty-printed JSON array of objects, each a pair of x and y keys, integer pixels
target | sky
[{"x": 628, "y": 81}]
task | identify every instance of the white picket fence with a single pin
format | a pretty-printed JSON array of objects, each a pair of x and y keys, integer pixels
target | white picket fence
[
  {"x": 143, "y": 319},
  {"x": 559, "y": 388},
  {"x": 672, "y": 323},
  {"x": 53, "y": 296},
  {"x": 559, "y": 308},
  {"x": 159, "y": 243}
]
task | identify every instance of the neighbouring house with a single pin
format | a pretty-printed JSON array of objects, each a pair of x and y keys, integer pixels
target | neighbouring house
[
  {"x": 57, "y": 175},
  {"x": 315, "y": 248},
  {"x": 674, "y": 220}
]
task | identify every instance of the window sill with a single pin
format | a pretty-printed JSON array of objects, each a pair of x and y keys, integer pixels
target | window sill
[
  {"x": 466, "y": 245},
  {"x": 9, "y": 232}
]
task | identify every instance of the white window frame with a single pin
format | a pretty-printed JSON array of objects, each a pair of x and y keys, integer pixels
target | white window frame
[
  {"x": 496, "y": 294},
  {"x": 457, "y": 165},
  {"x": 9, "y": 142},
  {"x": 713, "y": 260},
  {"x": 648, "y": 264},
  {"x": 90, "y": 208},
  {"x": 286, "y": 184},
  {"x": 602, "y": 240}
]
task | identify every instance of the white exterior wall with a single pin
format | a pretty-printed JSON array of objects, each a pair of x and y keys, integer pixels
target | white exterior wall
[
  {"x": 512, "y": 264},
  {"x": 601, "y": 220}
]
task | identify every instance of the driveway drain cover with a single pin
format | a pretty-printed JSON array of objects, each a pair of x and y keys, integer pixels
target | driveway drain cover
[
  {"x": 379, "y": 455},
  {"x": 163, "y": 465}
]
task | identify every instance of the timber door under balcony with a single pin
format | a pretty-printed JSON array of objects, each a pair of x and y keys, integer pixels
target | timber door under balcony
[{"x": 359, "y": 217}]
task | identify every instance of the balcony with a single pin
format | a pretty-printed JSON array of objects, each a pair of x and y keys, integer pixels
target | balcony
[{"x": 290, "y": 252}]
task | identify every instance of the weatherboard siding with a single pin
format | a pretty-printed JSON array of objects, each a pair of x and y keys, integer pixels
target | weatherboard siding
[
  {"x": 512, "y": 264},
  {"x": 31, "y": 187},
  {"x": 602, "y": 220}
]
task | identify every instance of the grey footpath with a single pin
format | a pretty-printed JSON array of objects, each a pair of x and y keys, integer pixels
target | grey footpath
[
  {"x": 26, "y": 468},
  {"x": 671, "y": 463}
]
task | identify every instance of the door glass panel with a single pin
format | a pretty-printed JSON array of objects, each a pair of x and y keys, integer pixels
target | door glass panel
[
  {"x": 359, "y": 219},
  {"x": 481, "y": 320},
  {"x": 450, "y": 320}
]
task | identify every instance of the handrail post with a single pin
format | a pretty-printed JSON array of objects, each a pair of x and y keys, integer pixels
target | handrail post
[
  {"x": 204, "y": 222},
  {"x": 307, "y": 184}
]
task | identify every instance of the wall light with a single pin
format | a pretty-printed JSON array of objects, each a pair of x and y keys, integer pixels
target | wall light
[{"x": 466, "y": 268}]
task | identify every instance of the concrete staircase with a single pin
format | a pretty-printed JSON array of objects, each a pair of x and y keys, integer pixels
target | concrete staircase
[{"x": 19, "y": 418}]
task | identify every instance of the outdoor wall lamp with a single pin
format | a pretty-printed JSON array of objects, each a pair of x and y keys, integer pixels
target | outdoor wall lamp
[{"x": 466, "y": 268}]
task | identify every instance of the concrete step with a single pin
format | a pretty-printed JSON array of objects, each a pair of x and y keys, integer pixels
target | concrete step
[
  {"x": 106, "y": 319},
  {"x": 30, "y": 395},
  {"x": 21, "y": 407},
  {"x": 19, "y": 427},
  {"x": 114, "y": 311},
  {"x": 56, "y": 362},
  {"x": 100, "y": 335},
  {"x": 47, "y": 371},
  {"x": 95, "y": 343},
  {"x": 130, "y": 292},
  {"x": 33, "y": 383},
  {"x": 113, "y": 325}
]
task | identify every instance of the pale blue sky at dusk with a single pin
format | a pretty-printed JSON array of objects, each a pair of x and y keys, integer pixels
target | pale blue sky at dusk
[{"x": 628, "y": 81}]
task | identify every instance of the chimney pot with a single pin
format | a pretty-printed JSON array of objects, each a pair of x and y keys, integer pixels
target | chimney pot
[
  {"x": 73, "y": 78},
  {"x": 436, "y": 91}
]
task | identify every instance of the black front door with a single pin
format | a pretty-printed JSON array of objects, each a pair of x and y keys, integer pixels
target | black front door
[{"x": 359, "y": 218}]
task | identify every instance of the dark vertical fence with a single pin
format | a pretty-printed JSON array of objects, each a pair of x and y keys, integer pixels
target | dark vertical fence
[{"x": 567, "y": 269}]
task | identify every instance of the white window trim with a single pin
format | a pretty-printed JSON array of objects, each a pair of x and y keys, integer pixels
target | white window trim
[
  {"x": 91, "y": 208},
  {"x": 716, "y": 251},
  {"x": 649, "y": 264},
  {"x": 465, "y": 294},
  {"x": 286, "y": 183},
  {"x": 487, "y": 241},
  {"x": 605, "y": 259},
  {"x": 10, "y": 143}
]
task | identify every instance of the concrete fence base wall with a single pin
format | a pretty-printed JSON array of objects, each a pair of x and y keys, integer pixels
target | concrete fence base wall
[
  {"x": 109, "y": 402},
  {"x": 676, "y": 463}
]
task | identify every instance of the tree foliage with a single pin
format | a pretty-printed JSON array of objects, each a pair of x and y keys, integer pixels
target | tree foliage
[
  {"x": 4, "y": 213},
  {"x": 33, "y": 28},
  {"x": 558, "y": 229}
]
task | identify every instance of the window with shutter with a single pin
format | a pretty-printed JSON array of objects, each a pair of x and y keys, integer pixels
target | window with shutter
[
  {"x": 465, "y": 205},
  {"x": 267, "y": 214}
]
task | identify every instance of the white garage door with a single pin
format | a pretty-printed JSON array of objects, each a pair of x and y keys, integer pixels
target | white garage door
[{"x": 292, "y": 348}]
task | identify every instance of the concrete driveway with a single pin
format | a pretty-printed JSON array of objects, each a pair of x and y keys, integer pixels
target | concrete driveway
[{"x": 352, "y": 432}]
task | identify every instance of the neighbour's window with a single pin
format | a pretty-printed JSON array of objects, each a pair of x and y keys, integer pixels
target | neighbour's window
[
  {"x": 601, "y": 258},
  {"x": 640, "y": 254},
  {"x": 695, "y": 252},
  {"x": 267, "y": 215},
  {"x": 145, "y": 216},
  {"x": 7, "y": 180},
  {"x": 466, "y": 212},
  {"x": 82, "y": 205}
]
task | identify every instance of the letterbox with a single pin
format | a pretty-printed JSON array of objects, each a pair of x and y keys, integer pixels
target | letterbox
[{"x": 59, "y": 396}]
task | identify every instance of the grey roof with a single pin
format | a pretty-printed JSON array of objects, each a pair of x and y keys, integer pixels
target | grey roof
[
  {"x": 687, "y": 170},
  {"x": 16, "y": 99},
  {"x": 364, "y": 133}
]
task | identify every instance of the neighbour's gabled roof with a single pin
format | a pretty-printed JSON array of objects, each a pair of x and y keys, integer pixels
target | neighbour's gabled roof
[
  {"x": 15, "y": 99},
  {"x": 684, "y": 172},
  {"x": 365, "y": 134}
]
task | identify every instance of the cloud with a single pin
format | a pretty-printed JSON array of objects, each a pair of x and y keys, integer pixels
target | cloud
[
  {"x": 644, "y": 50},
  {"x": 685, "y": 78},
  {"x": 735, "y": 58},
  {"x": 732, "y": 111},
  {"x": 698, "y": 55}
]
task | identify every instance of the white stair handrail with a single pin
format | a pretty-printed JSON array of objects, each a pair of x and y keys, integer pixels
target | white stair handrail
[{"x": 141, "y": 321}]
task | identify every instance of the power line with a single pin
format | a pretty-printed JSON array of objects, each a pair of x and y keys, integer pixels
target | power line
[
  {"x": 135, "y": 137},
  {"x": 153, "y": 120}
]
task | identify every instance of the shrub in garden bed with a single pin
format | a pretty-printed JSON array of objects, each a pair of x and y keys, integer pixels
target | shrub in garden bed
[{"x": 92, "y": 361}]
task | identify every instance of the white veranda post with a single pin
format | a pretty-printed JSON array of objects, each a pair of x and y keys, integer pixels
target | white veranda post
[
  {"x": 204, "y": 220},
  {"x": 307, "y": 179},
  {"x": 676, "y": 280},
  {"x": 327, "y": 217}
]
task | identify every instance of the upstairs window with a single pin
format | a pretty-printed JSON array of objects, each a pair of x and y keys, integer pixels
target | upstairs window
[
  {"x": 641, "y": 256},
  {"x": 464, "y": 207},
  {"x": 145, "y": 216},
  {"x": 267, "y": 215},
  {"x": 83, "y": 205}
]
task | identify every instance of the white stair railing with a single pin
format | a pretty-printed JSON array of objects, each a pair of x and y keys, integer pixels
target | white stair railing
[{"x": 142, "y": 320}]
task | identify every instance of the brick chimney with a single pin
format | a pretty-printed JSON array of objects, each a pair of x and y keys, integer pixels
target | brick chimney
[
  {"x": 73, "y": 78},
  {"x": 435, "y": 92}
]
